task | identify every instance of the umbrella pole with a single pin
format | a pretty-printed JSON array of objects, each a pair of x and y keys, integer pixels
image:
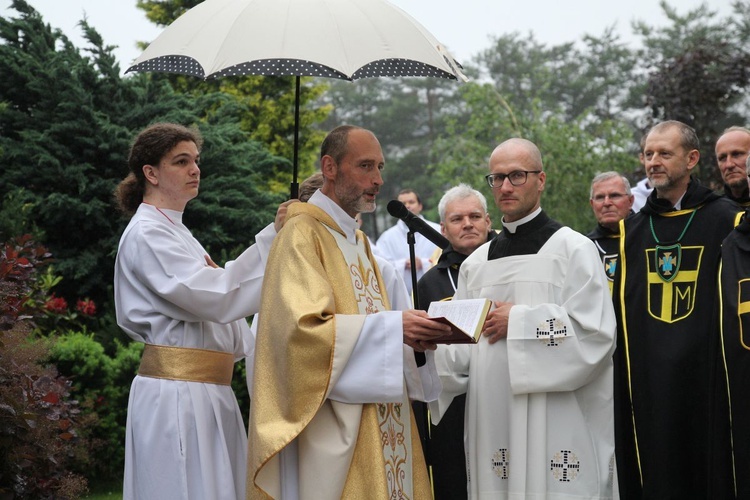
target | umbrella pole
[{"x": 295, "y": 185}]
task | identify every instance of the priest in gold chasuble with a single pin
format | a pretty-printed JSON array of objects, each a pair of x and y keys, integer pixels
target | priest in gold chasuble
[{"x": 334, "y": 367}]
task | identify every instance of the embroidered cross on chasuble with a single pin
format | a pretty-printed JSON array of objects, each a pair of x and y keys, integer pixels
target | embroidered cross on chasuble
[{"x": 394, "y": 419}]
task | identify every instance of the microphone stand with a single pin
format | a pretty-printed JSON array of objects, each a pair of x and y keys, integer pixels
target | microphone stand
[
  {"x": 422, "y": 420},
  {"x": 411, "y": 240}
]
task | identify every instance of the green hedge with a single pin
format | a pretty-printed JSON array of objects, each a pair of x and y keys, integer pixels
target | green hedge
[{"x": 102, "y": 384}]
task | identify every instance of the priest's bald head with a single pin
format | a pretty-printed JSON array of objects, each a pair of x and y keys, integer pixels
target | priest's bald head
[
  {"x": 351, "y": 161},
  {"x": 517, "y": 178}
]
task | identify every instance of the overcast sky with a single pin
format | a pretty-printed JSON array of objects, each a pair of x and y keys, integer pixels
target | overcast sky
[{"x": 464, "y": 26}]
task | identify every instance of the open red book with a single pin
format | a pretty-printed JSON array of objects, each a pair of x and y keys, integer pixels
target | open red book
[{"x": 465, "y": 316}]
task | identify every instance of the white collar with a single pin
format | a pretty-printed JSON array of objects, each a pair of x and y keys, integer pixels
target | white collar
[
  {"x": 512, "y": 226},
  {"x": 173, "y": 216},
  {"x": 339, "y": 216},
  {"x": 678, "y": 205}
]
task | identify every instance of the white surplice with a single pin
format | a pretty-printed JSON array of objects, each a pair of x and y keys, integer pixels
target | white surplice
[
  {"x": 184, "y": 440},
  {"x": 539, "y": 409}
]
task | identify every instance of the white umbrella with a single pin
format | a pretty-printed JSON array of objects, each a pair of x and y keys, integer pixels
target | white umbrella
[{"x": 345, "y": 39}]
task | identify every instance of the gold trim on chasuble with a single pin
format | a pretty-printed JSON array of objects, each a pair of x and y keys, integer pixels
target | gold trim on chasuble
[
  {"x": 393, "y": 418},
  {"x": 366, "y": 476}
]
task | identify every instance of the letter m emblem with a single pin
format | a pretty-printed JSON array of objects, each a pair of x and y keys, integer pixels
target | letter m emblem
[{"x": 673, "y": 300}]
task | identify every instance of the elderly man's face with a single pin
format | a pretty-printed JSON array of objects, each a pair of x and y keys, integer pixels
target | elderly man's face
[
  {"x": 466, "y": 224},
  {"x": 732, "y": 150},
  {"x": 610, "y": 202}
]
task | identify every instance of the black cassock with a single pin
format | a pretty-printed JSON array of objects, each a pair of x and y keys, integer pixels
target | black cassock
[
  {"x": 735, "y": 334},
  {"x": 671, "y": 421},
  {"x": 608, "y": 244}
]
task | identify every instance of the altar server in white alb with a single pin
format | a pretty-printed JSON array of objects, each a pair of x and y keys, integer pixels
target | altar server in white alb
[
  {"x": 539, "y": 409},
  {"x": 185, "y": 437},
  {"x": 394, "y": 245}
]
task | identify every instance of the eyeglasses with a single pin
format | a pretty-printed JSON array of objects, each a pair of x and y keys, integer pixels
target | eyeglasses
[
  {"x": 516, "y": 178},
  {"x": 614, "y": 197}
]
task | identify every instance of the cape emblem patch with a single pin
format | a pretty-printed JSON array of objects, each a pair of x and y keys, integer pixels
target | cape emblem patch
[
  {"x": 668, "y": 261},
  {"x": 672, "y": 280},
  {"x": 610, "y": 265}
]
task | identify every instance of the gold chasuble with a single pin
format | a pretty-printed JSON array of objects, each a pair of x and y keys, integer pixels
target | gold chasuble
[{"x": 317, "y": 291}]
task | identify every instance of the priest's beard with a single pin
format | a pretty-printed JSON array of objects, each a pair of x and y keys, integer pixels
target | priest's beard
[
  {"x": 352, "y": 199},
  {"x": 664, "y": 183}
]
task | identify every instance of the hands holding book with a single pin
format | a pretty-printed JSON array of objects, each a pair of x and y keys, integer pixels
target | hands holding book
[
  {"x": 496, "y": 325},
  {"x": 470, "y": 318},
  {"x": 456, "y": 322},
  {"x": 421, "y": 332}
]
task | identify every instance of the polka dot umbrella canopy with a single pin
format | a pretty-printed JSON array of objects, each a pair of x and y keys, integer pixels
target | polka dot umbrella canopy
[{"x": 345, "y": 39}]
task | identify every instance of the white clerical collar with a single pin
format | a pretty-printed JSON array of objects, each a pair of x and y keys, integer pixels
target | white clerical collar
[
  {"x": 340, "y": 217},
  {"x": 512, "y": 226},
  {"x": 678, "y": 205}
]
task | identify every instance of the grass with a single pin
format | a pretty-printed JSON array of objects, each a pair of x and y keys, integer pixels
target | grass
[
  {"x": 107, "y": 491},
  {"x": 113, "y": 495}
]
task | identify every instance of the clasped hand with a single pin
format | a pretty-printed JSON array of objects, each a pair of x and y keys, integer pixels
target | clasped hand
[{"x": 496, "y": 325}]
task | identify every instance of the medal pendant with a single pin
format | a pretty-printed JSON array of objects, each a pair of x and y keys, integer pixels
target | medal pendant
[{"x": 668, "y": 260}]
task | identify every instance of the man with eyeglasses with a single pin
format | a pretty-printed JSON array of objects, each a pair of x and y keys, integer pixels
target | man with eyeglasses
[
  {"x": 611, "y": 201},
  {"x": 732, "y": 149},
  {"x": 671, "y": 425},
  {"x": 539, "y": 381}
]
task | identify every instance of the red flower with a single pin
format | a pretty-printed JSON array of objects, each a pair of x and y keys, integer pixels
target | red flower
[
  {"x": 56, "y": 305},
  {"x": 86, "y": 307}
]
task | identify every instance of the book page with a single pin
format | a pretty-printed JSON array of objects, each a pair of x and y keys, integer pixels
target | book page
[{"x": 467, "y": 314}]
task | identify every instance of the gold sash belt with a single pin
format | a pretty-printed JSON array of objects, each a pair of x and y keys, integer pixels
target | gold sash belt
[{"x": 184, "y": 363}]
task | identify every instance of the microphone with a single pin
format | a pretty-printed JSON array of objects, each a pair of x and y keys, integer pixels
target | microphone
[{"x": 416, "y": 224}]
